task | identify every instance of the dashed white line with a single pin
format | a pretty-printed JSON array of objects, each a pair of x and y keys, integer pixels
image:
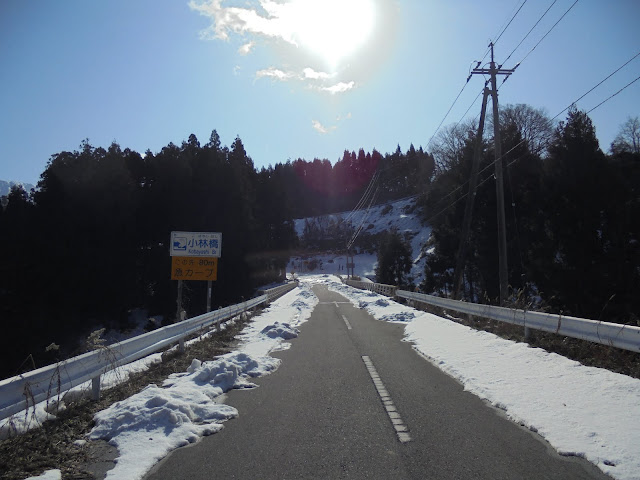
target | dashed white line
[
  {"x": 346, "y": 322},
  {"x": 399, "y": 426}
]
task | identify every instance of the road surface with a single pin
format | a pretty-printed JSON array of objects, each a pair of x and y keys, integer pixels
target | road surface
[{"x": 351, "y": 400}]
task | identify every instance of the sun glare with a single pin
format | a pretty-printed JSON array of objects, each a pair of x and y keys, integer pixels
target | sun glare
[{"x": 333, "y": 29}]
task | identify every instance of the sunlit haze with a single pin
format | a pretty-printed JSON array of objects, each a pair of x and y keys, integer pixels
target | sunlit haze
[{"x": 333, "y": 28}]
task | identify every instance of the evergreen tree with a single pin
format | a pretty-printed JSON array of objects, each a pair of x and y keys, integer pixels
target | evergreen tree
[{"x": 394, "y": 260}]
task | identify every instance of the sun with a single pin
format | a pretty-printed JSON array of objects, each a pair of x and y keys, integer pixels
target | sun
[{"x": 333, "y": 29}]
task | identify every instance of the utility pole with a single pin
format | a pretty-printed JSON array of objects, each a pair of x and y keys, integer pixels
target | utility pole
[
  {"x": 471, "y": 197},
  {"x": 492, "y": 71}
]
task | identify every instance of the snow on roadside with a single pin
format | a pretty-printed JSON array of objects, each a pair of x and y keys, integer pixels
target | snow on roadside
[
  {"x": 148, "y": 425},
  {"x": 48, "y": 475},
  {"x": 581, "y": 411}
]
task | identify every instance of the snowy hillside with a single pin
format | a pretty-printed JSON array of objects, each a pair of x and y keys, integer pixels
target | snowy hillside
[
  {"x": 5, "y": 187},
  {"x": 401, "y": 215}
]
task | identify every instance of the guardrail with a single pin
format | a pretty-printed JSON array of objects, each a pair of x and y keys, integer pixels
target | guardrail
[
  {"x": 24, "y": 391},
  {"x": 616, "y": 335},
  {"x": 381, "y": 288},
  {"x": 276, "y": 292},
  {"x": 613, "y": 334}
]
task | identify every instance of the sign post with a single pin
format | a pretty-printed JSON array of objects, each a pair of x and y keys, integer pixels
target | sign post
[
  {"x": 194, "y": 256},
  {"x": 179, "y": 302}
]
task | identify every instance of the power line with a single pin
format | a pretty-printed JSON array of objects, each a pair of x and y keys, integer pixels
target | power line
[
  {"x": 556, "y": 116},
  {"x": 521, "y": 156},
  {"x": 500, "y": 35},
  {"x": 528, "y": 33},
  {"x": 609, "y": 98},
  {"x": 472, "y": 104},
  {"x": 545, "y": 35},
  {"x": 364, "y": 219},
  {"x": 469, "y": 77},
  {"x": 448, "y": 111},
  {"x": 507, "y": 26},
  {"x": 597, "y": 85},
  {"x": 365, "y": 195}
]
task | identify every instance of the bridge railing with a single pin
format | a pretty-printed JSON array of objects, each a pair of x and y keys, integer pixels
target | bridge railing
[
  {"x": 616, "y": 335},
  {"x": 24, "y": 391},
  {"x": 381, "y": 288}
]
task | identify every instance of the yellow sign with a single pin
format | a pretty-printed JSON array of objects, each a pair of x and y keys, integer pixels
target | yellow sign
[{"x": 194, "y": 268}]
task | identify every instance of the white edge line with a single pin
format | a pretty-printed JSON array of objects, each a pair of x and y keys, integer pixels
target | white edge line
[{"x": 402, "y": 431}]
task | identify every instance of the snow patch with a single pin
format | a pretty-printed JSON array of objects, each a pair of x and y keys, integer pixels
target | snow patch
[
  {"x": 581, "y": 411},
  {"x": 148, "y": 425},
  {"x": 282, "y": 330},
  {"x": 48, "y": 475}
]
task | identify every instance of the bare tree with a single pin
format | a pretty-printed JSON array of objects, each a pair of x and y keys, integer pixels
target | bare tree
[
  {"x": 628, "y": 138},
  {"x": 448, "y": 145},
  {"x": 534, "y": 125}
]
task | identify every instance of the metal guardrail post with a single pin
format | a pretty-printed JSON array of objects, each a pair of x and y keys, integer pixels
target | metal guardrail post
[
  {"x": 91, "y": 365},
  {"x": 616, "y": 335},
  {"x": 95, "y": 388},
  {"x": 612, "y": 334}
]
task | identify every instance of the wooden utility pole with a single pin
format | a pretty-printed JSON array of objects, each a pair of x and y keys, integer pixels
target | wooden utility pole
[
  {"x": 471, "y": 196},
  {"x": 492, "y": 71}
]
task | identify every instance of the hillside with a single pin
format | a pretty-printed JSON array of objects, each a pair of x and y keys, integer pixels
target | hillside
[
  {"x": 401, "y": 215},
  {"x": 5, "y": 187}
]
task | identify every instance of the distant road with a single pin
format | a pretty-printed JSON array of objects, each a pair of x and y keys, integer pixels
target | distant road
[{"x": 351, "y": 400}]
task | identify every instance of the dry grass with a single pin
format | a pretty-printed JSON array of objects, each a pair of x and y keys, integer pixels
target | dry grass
[{"x": 52, "y": 445}]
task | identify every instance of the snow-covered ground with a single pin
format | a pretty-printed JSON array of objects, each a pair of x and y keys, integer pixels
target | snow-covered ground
[
  {"x": 148, "y": 425},
  {"x": 400, "y": 215},
  {"x": 581, "y": 411}
]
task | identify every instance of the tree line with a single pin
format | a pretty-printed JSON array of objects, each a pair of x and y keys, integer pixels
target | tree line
[
  {"x": 90, "y": 243},
  {"x": 572, "y": 215}
]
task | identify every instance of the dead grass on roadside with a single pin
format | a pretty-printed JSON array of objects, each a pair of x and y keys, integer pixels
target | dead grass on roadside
[{"x": 52, "y": 445}]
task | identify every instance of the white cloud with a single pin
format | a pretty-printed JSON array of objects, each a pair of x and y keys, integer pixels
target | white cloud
[
  {"x": 310, "y": 73},
  {"x": 277, "y": 23},
  {"x": 246, "y": 48},
  {"x": 340, "y": 87},
  {"x": 275, "y": 19},
  {"x": 317, "y": 126},
  {"x": 275, "y": 73}
]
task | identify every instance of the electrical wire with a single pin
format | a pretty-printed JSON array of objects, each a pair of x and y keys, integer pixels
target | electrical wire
[
  {"x": 500, "y": 35},
  {"x": 520, "y": 143},
  {"x": 365, "y": 195},
  {"x": 491, "y": 164},
  {"x": 448, "y": 111},
  {"x": 364, "y": 219},
  {"x": 528, "y": 33},
  {"x": 472, "y": 104},
  {"x": 545, "y": 35},
  {"x": 609, "y": 98},
  {"x": 469, "y": 77},
  {"x": 598, "y": 84},
  {"x": 512, "y": 18}
]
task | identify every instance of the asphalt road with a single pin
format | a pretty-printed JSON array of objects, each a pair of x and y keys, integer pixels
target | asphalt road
[{"x": 320, "y": 415}]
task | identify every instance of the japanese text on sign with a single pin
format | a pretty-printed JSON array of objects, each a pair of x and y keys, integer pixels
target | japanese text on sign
[
  {"x": 196, "y": 244},
  {"x": 194, "y": 268}
]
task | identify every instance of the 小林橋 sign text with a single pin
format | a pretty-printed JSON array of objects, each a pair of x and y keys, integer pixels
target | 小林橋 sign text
[{"x": 196, "y": 244}]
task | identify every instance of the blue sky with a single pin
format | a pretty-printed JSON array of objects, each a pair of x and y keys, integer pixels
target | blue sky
[{"x": 293, "y": 78}]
